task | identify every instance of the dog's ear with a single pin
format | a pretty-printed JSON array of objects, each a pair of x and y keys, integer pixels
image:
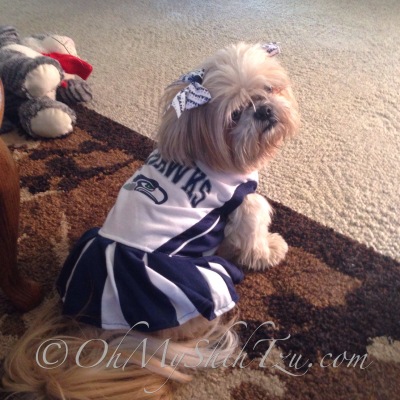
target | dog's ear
[
  {"x": 173, "y": 131},
  {"x": 194, "y": 136}
]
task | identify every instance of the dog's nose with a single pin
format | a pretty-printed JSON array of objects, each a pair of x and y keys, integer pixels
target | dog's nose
[{"x": 264, "y": 113}]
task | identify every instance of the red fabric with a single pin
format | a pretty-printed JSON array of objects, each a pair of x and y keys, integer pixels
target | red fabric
[{"x": 72, "y": 64}]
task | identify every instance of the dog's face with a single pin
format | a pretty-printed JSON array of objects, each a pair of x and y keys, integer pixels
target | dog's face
[{"x": 251, "y": 112}]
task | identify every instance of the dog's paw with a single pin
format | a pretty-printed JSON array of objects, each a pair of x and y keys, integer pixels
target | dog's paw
[
  {"x": 278, "y": 249},
  {"x": 268, "y": 254}
]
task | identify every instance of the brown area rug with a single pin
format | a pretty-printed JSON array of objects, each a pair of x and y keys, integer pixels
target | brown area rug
[{"x": 332, "y": 299}]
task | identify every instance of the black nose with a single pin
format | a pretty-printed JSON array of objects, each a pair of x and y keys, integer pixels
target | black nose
[{"x": 264, "y": 113}]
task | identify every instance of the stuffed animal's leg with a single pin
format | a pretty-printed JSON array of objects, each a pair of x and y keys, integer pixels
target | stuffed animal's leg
[
  {"x": 247, "y": 239},
  {"x": 47, "y": 118},
  {"x": 30, "y": 77},
  {"x": 24, "y": 71}
]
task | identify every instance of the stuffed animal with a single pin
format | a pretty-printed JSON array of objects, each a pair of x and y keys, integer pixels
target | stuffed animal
[{"x": 42, "y": 77}]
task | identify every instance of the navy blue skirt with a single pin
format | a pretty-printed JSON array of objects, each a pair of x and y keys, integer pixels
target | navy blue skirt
[{"x": 115, "y": 286}]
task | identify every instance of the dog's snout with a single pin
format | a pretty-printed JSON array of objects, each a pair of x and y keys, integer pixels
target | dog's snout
[{"x": 264, "y": 113}]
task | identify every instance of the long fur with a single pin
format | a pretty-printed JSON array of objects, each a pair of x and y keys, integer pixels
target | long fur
[
  {"x": 227, "y": 136},
  {"x": 247, "y": 239},
  {"x": 238, "y": 77},
  {"x": 121, "y": 374}
]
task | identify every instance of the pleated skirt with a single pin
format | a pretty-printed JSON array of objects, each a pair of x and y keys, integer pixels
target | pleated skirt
[{"x": 115, "y": 286}]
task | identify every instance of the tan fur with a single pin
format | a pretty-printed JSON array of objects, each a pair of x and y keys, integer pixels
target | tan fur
[
  {"x": 240, "y": 77},
  {"x": 109, "y": 380},
  {"x": 236, "y": 77},
  {"x": 247, "y": 240}
]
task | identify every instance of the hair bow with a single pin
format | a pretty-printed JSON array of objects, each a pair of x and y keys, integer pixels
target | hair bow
[
  {"x": 271, "y": 48},
  {"x": 193, "y": 95}
]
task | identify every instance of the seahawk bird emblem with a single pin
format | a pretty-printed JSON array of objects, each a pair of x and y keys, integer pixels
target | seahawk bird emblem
[{"x": 149, "y": 187}]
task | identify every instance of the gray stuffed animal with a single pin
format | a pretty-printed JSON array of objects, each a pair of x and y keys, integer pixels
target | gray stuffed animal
[{"x": 39, "y": 75}]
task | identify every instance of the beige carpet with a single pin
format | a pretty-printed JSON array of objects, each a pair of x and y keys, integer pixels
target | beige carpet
[
  {"x": 337, "y": 299},
  {"x": 344, "y": 59}
]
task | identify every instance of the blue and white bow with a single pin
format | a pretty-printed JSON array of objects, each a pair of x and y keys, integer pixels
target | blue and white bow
[
  {"x": 271, "y": 48},
  {"x": 193, "y": 95}
]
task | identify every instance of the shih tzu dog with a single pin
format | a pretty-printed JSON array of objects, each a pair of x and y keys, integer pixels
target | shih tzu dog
[{"x": 148, "y": 292}]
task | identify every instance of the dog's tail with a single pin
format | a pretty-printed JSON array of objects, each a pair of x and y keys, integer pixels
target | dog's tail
[{"x": 58, "y": 358}]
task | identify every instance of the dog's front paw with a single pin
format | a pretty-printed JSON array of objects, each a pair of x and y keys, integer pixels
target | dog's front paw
[
  {"x": 277, "y": 249},
  {"x": 268, "y": 253}
]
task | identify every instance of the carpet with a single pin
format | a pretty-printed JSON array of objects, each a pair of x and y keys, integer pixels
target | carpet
[
  {"x": 343, "y": 59},
  {"x": 323, "y": 325}
]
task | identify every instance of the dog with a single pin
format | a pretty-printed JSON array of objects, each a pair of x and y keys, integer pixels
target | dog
[{"x": 146, "y": 298}]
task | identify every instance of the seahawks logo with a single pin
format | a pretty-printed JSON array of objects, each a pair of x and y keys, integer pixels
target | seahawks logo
[{"x": 149, "y": 187}]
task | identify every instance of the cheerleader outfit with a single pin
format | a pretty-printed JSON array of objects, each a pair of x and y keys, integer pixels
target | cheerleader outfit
[{"x": 152, "y": 264}]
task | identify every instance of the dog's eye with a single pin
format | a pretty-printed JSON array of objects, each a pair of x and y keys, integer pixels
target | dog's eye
[
  {"x": 236, "y": 115},
  {"x": 268, "y": 88}
]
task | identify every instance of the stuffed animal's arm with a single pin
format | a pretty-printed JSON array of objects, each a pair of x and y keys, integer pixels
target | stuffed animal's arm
[
  {"x": 24, "y": 71},
  {"x": 8, "y": 35},
  {"x": 74, "y": 91}
]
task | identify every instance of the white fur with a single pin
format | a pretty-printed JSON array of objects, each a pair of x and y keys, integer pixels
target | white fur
[{"x": 247, "y": 239}]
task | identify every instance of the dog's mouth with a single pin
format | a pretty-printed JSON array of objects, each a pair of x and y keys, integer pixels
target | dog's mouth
[
  {"x": 269, "y": 125},
  {"x": 266, "y": 116},
  {"x": 262, "y": 116}
]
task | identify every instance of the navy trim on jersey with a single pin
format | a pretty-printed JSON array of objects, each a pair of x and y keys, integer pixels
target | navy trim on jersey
[{"x": 196, "y": 247}]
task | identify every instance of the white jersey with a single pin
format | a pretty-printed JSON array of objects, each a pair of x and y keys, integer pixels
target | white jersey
[
  {"x": 163, "y": 200},
  {"x": 152, "y": 261}
]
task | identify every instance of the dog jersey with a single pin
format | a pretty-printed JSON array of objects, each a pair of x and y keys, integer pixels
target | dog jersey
[{"x": 152, "y": 264}]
